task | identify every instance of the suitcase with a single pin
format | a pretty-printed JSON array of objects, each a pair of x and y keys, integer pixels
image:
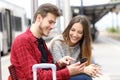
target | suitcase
[{"x": 44, "y": 65}]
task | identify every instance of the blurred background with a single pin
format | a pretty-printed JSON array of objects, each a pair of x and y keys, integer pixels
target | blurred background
[{"x": 104, "y": 15}]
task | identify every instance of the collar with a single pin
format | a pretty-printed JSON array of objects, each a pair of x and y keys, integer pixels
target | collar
[{"x": 31, "y": 36}]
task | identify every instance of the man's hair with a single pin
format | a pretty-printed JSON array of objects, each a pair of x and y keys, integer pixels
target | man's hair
[{"x": 46, "y": 8}]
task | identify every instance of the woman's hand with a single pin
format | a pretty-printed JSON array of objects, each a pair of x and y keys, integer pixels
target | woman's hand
[
  {"x": 65, "y": 61},
  {"x": 92, "y": 70},
  {"x": 76, "y": 68}
]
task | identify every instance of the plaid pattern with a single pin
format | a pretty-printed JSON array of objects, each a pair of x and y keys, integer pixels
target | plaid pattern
[
  {"x": 12, "y": 73},
  {"x": 25, "y": 53}
]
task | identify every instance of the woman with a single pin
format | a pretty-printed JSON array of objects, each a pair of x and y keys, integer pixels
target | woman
[{"x": 75, "y": 41}]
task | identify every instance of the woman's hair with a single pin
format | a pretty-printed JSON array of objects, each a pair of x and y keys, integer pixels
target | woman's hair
[
  {"x": 44, "y": 9},
  {"x": 85, "y": 42}
]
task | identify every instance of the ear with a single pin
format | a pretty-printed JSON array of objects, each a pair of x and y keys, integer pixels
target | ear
[{"x": 39, "y": 18}]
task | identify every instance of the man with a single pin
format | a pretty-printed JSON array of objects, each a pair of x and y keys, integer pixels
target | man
[{"x": 29, "y": 48}]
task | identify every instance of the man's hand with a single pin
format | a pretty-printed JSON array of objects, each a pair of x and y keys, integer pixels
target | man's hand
[{"x": 76, "y": 68}]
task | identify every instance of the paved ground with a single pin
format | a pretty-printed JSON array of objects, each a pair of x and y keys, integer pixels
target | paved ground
[
  {"x": 5, "y": 61},
  {"x": 107, "y": 54}
]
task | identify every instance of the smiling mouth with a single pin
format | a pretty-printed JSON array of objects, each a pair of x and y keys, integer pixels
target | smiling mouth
[{"x": 74, "y": 39}]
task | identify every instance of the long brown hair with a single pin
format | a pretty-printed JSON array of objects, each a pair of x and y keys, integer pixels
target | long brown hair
[{"x": 85, "y": 42}]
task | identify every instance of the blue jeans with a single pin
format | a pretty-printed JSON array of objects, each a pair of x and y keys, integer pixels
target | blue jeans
[{"x": 81, "y": 76}]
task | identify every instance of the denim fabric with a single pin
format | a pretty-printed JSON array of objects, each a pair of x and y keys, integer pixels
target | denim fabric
[{"x": 81, "y": 76}]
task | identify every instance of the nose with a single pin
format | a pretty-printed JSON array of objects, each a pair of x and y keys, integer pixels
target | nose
[
  {"x": 51, "y": 26},
  {"x": 75, "y": 34}
]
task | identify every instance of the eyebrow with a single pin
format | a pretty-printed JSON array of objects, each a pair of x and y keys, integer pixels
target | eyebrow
[{"x": 53, "y": 21}]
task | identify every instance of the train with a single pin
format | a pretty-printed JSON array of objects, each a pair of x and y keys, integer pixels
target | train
[{"x": 13, "y": 21}]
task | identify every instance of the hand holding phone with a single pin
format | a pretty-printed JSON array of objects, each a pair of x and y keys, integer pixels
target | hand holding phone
[{"x": 83, "y": 60}]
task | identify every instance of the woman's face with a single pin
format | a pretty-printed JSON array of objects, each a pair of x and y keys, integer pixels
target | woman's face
[{"x": 75, "y": 33}]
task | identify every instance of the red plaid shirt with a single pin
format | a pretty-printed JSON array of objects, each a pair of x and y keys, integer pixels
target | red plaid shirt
[{"x": 25, "y": 53}]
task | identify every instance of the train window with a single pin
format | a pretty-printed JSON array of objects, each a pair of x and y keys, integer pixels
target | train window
[
  {"x": 1, "y": 29},
  {"x": 28, "y": 22},
  {"x": 18, "y": 23}
]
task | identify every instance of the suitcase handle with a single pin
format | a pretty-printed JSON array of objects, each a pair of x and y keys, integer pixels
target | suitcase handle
[{"x": 44, "y": 65}]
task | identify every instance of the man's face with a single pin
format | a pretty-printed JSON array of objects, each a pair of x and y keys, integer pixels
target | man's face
[{"x": 47, "y": 24}]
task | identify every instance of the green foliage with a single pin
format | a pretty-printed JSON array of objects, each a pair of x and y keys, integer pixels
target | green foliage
[{"x": 111, "y": 29}]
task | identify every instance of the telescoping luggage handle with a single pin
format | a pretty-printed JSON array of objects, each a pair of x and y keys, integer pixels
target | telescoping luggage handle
[{"x": 43, "y": 65}]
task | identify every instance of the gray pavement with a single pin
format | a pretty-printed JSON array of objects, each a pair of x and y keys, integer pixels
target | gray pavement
[
  {"x": 106, "y": 52},
  {"x": 5, "y": 62}
]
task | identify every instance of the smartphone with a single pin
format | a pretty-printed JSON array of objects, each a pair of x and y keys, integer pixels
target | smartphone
[{"x": 83, "y": 60}]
